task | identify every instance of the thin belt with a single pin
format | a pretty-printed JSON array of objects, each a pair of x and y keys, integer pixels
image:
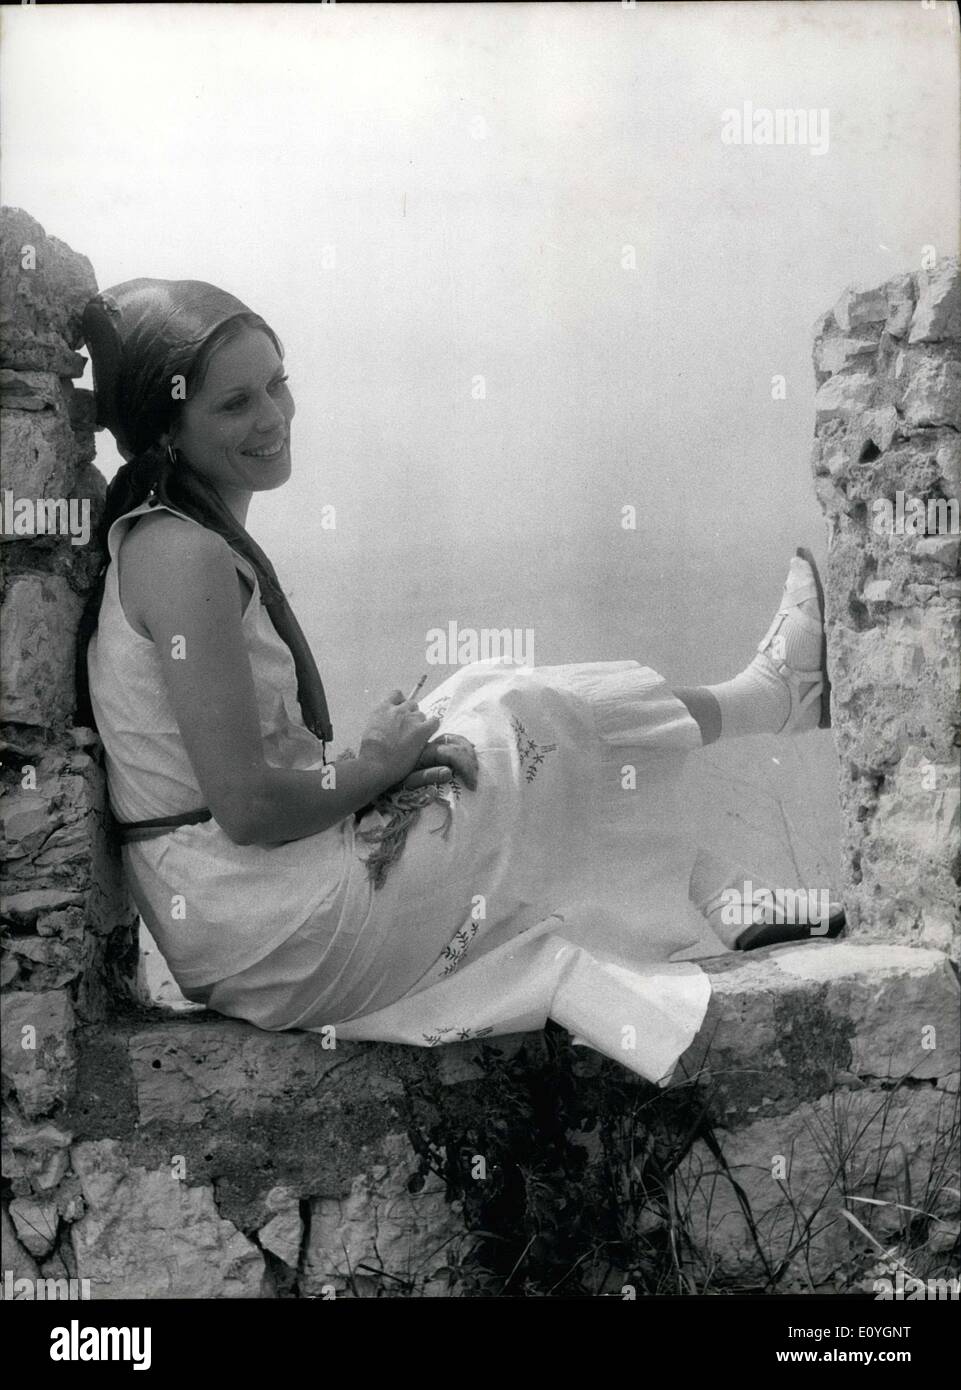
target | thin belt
[
  {"x": 133, "y": 830},
  {"x": 130, "y": 831}
]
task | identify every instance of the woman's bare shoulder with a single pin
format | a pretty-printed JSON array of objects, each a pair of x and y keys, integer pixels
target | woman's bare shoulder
[
  {"x": 167, "y": 558},
  {"x": 162, "y": 534}
]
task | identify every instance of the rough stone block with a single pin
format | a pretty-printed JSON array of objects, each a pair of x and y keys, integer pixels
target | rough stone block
[
  {"x": 40, "y": 616},
  {"x": 45, "y": 454},
  {"x": 929, "y": 389},
  {"x": 943, "y": 550},
  {"x": 21, "y": 908},
  {"x": 835, "y": 352},
  {"x": 844, "y": 396},
  {"x": 39, "y": 1058},
  {"x": 798, "y": 1173},
  {"x": 18, "y": 1261},
  {"x": 194, "y": 1071},
  {"x": 44, "y": 286},
  {"x": 938, "y": 312},
  {"x": 784, "y": 1021},
  {"x": 35, "y": 1156},
  {"x": 858, "y": 309},
  {"x": 385, "y": 1233},
  {"x": 59, "y": 853},
  {"x": 907, "y": 890},
  {"x": 893, "y": 620},
  {"x": 31, "y": 391},
  {"x": 901, "y": 297},
  {"x": 35, "y": 1223},
  {"x": 147, "y": 1234},
  {"x": 283, "y": 1234}
]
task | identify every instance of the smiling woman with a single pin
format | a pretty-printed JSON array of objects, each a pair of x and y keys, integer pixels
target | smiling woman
[
  {"x": 236, "y": 427},
  {"x": 546, "y": 884}
]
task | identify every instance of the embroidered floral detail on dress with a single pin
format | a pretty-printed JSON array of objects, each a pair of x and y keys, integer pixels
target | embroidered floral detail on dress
[
  {"x": 462, "y": 1034},
  {"x": 531, "y": 753},
  {"x": 458, "y": 945}
]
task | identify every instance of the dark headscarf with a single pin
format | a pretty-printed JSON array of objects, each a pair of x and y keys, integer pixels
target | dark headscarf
[{"x": 141, "y": 335}]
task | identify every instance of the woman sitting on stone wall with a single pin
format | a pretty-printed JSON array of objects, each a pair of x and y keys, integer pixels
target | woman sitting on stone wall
[{"x": 507, "y": 853}]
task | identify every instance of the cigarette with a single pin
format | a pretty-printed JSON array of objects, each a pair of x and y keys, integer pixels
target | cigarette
[{"x": 418, "y": 686}]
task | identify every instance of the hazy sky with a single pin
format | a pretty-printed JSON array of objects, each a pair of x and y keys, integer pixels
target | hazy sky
[{"x": 478, "y": 171}]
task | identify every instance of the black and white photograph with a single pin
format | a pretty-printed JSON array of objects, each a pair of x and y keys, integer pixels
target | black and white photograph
[{"x": 481, "y": 642}]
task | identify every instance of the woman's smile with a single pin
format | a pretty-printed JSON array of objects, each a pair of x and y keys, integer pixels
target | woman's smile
[
  {"x": 265, "y": 451},
  {"x": 235, "y": 429}
]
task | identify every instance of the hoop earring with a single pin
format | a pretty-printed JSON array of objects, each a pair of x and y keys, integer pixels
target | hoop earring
[{"x": 171, "y": 455}]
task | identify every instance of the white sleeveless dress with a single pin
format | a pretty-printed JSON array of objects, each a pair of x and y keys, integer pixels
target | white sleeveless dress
[{"x": 557, "y": 889}]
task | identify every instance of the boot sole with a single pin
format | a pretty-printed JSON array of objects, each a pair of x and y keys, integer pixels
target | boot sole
[
  {"x": 824, "y": 721},
  {"x": 778, "y": 933}
]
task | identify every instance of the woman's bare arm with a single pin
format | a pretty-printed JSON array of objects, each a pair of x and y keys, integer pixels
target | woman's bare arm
[{"x": 182, "y": 588}]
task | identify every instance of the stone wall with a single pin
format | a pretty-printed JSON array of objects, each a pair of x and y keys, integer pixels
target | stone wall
[
  {"x": 71, "y": 938},
  {"x": 69, "y": 931},
  {"x": 887, "y": 467},
  {"x": 164, "y": 1155}
]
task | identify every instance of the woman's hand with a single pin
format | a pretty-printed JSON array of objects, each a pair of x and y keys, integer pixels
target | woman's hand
[
  {"x": 395, "y": 737},
  {"x": 447, "y": 755}
]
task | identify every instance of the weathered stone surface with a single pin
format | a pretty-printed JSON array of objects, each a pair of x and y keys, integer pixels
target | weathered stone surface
[
  {"x": 35, "y": 1223},
  {"x": 63, "y": 874},
  {"x": 192, "y": 1072},
  {"x": 929, "y": 390},
  {"x": 843, "y": 396},
  {"x": 42, "y": 453},
  {"x": 38, "y": 352},
  {"x": 943, "y": 550},
  {"x": 39, "y": 1057},
  {"x": 877, "y": 591},
  {"x": 47, "y": 964},
  {"x": 861, "y": 308},
  {"x": 784, "y": 1021},
  {"x": 283, "y": 1234},
  {"x": 44, "y": 286},
  {"x": 948, "y": 459},
  {"x": 878, "y": 427},
  {"x": 798, "y": 1173},
  {"x": 911, "y": 843},
  {"x": 35, "y": 1156},
  {"x": 20, "y": 1263},
  {"x": 893, "y": 616},
  {"x": 29, "y": 390},
  {"x": 835, "y": 352},
  {"x": 27, "y": 906},
  {"x": 901, "y": 296},
  {"x": 382, "y": 1234},
  {"x": 787, "y": 1028},
  {"x": 40, "y": 616},
  {"x": 938, "y": 312},
  {"x": 146, "y": 1234},
  {"x": 911, "y": 655}
]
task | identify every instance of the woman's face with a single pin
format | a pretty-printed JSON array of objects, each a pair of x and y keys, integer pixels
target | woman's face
[{"x": 235, "y": 430}]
